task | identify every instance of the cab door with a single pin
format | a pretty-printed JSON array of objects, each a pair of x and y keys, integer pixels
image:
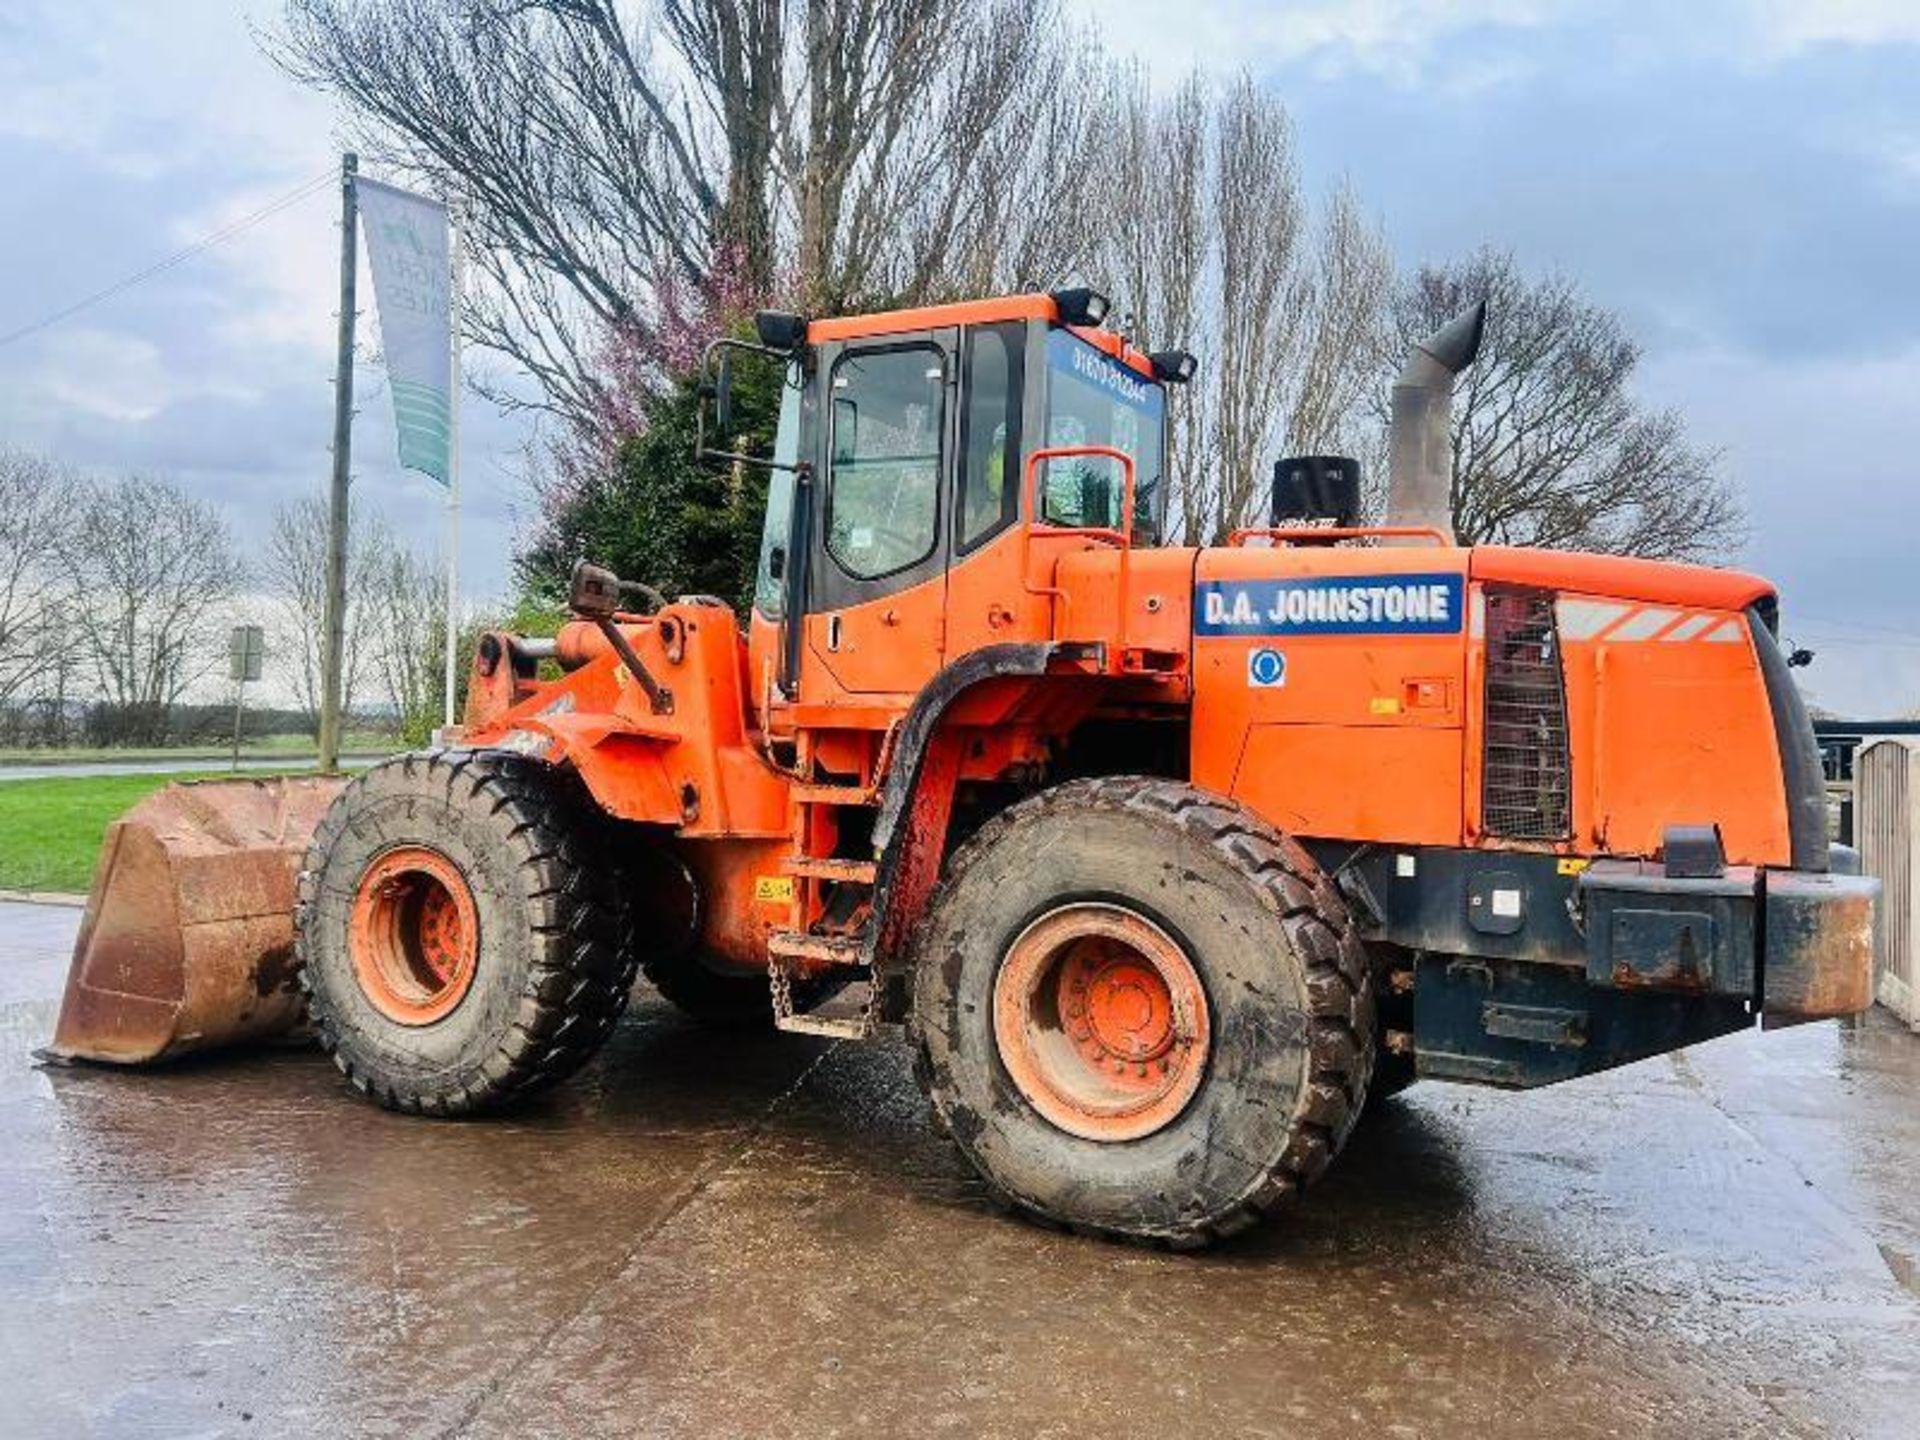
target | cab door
[
  {"x": 876, "y": 603},
  {"x": 988, "y": 601}
]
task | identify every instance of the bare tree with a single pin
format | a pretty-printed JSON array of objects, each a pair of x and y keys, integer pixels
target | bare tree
[
  {"x": 1550, "y": 446},
  {"x": 405, "y": 600},
  {"x": 294, "y": 572},
  {"x": 1216, "y": 247},
  {"x": 37, "y": 500},
  {"x": 151, "y": 565},
  {"x": 862, "y": 149}
]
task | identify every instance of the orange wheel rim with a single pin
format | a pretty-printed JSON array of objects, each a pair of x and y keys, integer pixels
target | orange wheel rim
[
  {"x": 1101, "y": 1022},
  {"x": 415, "y": 935}
]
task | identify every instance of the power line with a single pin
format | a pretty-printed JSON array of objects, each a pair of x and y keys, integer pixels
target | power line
[
  {"x": 1905, "y": 632},
  {"x": 206, "y": 242},
  {"x": 1858, "y": 642}
]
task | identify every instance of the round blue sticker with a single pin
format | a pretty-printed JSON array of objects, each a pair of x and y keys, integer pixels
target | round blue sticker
[{"x": 1266, "y": 667}]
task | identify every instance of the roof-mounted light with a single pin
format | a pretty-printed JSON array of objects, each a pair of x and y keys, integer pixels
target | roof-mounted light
[
  {"x": 1081, "y": 306},
  {"x": 1173, "y": 367}
]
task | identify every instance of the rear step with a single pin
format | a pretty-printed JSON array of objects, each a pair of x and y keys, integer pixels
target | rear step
[
  {"x": 821, "y": 949},
  {"x": 844, "y": 1013},
  {"x": 834, "y": 795},
  {"x": 843, "y": 1009},
  {"x": 844, "y": 872}
]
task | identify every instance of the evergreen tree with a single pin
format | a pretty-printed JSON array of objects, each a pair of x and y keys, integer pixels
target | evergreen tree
[{"x": 659, "y": 515}]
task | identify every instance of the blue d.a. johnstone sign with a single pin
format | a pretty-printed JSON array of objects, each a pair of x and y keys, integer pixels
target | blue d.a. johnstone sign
[{"x": 1331, "y": 605}]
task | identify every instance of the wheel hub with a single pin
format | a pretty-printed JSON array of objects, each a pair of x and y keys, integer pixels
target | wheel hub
[
  {"x": 1101, "y": 1022},
  {"x": 1127, "y": 1007},
  {"x": 415, "y": 935}
]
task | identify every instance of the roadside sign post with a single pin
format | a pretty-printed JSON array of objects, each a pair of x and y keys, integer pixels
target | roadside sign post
[{"x": 246, "y": 650}]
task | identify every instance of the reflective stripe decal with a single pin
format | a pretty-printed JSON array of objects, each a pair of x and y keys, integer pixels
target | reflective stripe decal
[
  {"x": 1612, "y": 621},
  {"x": 1584, "y": 619},
  {"x": 1688, "y": 628},
  {"x": 1644, "y": 625}
]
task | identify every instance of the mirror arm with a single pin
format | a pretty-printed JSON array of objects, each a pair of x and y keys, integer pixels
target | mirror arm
[
  {"x": 703, "y": 453},
  {"x": 701, "y": 450}
]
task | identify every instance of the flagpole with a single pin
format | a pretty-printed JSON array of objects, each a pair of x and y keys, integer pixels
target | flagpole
[{"x": 453, "y": 458}]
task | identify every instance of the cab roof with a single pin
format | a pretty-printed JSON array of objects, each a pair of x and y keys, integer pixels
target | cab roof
[{"x": 1034, "y": 306}]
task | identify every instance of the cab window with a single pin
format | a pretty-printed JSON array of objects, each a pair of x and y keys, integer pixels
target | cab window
[
  {"x": 769, "y": 594},
  {"x": 1092, "y": 399},
  {"x": 990, "y": 446},
  {"x": 888, "y": 413}
]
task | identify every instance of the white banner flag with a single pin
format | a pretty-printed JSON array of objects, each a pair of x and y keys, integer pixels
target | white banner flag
[{"x": 407, "y": 246}]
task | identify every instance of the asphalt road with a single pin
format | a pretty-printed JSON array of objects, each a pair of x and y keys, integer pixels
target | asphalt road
[{"x": 761, "y": 1236}]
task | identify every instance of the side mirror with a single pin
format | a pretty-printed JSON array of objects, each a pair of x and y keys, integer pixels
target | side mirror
[
  {"x": 715, "y": 440},
  {"x": 723, "y": 395},
  {"x": 593, "y": 590}
]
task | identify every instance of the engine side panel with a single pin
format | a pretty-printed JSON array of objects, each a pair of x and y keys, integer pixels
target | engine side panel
[
  {"x": 1330, "y": 688},
  {"x": 1669, "y": 724}
]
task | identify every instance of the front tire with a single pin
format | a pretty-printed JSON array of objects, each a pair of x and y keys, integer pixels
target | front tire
[
  {"x": 1142, "y": 1012},
  {"x": 460, "y": 940}
]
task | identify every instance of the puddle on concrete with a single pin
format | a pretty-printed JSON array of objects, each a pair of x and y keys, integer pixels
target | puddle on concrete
[{"x": 761, "y": 1235}]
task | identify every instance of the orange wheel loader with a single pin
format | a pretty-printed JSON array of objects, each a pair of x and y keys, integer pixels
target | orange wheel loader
[{"x": 1168, "y": 858}]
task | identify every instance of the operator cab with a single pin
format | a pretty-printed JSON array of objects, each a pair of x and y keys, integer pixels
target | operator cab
[{"x": 901, "y": 482}]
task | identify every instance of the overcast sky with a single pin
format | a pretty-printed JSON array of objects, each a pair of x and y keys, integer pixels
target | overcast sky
[{"x": 1740, "y": 178}]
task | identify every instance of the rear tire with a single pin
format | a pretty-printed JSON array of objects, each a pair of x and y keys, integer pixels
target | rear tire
[
  {"x": 1250, "y": 938},
  {"x": 460, "y": 940}
]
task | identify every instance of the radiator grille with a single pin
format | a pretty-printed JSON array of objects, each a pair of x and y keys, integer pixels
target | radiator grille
[{"x": 1526, "y": 784}]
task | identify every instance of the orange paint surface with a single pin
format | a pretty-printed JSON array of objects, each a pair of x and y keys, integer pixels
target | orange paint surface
[
  {"x": 1370, "y": 736},
  {"x": 1619, "y": 577},
  {"x": 1673, "y": 732}
]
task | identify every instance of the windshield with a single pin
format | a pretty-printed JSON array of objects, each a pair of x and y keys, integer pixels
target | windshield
[
  {"x": 769, "y": 598},
  {"x": 1092, "y": 399}
]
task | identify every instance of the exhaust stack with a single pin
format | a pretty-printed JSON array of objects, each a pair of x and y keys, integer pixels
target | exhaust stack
[{"x": 1420, "y": 440}]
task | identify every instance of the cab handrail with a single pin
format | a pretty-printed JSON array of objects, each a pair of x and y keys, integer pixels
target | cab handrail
[
  {"x": 1121, "y": 536},
  {"x": 1320, "y": 535}
]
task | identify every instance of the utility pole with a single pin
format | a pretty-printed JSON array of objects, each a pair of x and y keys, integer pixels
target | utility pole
[
  {"x": 335, "y": 624},
  {"x": 454, "y": 278}
]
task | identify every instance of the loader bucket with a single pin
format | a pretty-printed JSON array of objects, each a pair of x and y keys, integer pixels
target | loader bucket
[{"x": 187, "y": 941}]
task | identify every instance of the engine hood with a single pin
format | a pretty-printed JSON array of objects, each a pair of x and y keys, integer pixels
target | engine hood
[{"x": 1660, "y": 581}]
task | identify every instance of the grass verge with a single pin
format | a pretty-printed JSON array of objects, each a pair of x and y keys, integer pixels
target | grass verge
[
  {"x": 50, "y": 830},
  {"x": 294, "y": 747}
]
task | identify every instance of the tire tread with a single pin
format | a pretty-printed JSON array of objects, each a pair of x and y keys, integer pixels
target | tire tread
[
  {"x": 1339, "y": 982},
  {"x": 585, "y": 960}
]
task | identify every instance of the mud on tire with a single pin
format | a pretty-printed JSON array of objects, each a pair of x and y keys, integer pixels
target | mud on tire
[
  {"x": 552, "y": 961},
  {"x": 1287, "y": 987}
]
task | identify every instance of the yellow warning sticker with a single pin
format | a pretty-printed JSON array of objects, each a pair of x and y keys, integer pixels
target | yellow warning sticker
[
  {"x": 1571, "y": 865},
  {"x": 1384, "y": 705},
  {"x": 773, "y": 889}
]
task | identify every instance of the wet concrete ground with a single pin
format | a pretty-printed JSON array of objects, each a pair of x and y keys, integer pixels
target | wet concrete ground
[{"x": 760, "y": 1236}]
